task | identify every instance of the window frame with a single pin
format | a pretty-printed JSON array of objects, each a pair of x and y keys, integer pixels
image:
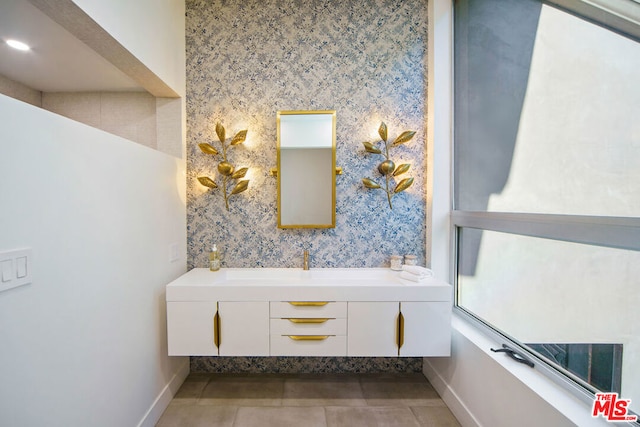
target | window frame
[{"x": 613, "y": 231}]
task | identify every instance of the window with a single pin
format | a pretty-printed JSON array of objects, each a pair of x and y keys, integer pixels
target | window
[
  {"x": 547, "y": 187},
  {"x": 598, "y": 364}
]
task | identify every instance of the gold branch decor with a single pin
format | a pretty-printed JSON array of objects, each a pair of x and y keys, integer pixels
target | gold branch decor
[
  {"x": 226, "y": 169},
  {"x": 388, "y": 168}
]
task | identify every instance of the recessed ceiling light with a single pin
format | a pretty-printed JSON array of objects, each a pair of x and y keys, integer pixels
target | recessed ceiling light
[{"x": 18, "y": 45}]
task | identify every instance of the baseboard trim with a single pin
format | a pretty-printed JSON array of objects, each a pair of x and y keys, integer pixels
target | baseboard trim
[
  {"x": 154, "y": 413},
  {"x": 449, "y": 396}
]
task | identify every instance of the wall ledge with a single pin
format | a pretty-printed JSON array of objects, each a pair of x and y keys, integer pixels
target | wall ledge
[{"x": 439, "y": 372}]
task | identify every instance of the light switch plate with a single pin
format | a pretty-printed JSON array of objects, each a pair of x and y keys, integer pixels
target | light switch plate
[
  {"x": 6, "y": 270},
  {"x": 173, "y": 252},
  {"x": 21, "y": 267},
  {"x": 15, "y": 268}
]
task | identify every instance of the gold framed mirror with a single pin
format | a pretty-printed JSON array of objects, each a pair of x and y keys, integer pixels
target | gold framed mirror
[{"x": 306, "y": 169}]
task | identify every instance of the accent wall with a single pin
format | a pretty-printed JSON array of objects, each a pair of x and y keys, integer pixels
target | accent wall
[{"x": 246, "y": 61}]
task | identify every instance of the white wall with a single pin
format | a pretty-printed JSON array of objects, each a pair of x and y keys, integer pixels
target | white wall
[
  {"x": 152, "y": 30},
  {"x": 439, "y": 134},
  {"x": 85, "y": 343}
]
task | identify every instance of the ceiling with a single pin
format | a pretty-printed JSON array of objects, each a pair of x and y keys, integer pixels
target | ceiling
[{"x": 57, "y": 61}]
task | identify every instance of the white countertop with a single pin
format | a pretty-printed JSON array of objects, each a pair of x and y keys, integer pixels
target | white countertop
[{"x": 292, "y": 284}]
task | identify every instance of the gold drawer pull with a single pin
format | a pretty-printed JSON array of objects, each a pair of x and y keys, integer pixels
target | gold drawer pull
[
  {"x": 400, "y": 331},
  {"x": 308, "y": 337},
  {"x": 310, "y": 320},
  {"x": 216, "y": 329},
  {"x": 308, "y": 303}
]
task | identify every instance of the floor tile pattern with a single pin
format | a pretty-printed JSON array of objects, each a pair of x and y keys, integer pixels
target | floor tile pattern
[{"x": 309, "y": 400}]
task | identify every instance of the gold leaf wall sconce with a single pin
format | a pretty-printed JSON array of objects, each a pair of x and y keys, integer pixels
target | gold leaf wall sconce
[
  {"x": 388, "y": 168},
  {"x": 228, "y": 172}
]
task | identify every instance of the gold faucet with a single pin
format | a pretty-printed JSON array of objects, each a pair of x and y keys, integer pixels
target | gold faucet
[{"x": 305, "y": 263}]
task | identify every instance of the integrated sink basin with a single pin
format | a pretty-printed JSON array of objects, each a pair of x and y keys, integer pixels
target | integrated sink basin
[
  {"x": 314, "y": 276},
  {"x": 364, "y": 284}
]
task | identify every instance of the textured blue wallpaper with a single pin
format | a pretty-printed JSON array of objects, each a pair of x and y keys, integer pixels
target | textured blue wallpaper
[
  {"x": 248, "y": 59},
  {"x": 305, "y": 365}
]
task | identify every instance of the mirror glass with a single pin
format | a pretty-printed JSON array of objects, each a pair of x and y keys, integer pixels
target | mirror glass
[{"x": 306, "y": 169}]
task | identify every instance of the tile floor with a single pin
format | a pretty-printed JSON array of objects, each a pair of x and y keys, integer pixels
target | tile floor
[{"x": 307, "y": 400}]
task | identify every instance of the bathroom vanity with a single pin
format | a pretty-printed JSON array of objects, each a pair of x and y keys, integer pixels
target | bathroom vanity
[{"x": 317, "y": 312}]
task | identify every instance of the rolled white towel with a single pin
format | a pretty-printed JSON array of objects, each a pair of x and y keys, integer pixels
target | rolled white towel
[{"x": 416, "y": 270}]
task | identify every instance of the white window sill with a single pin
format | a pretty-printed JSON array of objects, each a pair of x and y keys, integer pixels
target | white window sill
[{"x": 557, "y": 397}]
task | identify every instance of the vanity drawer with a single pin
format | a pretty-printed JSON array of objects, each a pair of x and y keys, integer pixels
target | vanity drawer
[
  {"x": 308, "y": 345},
  {"x": 308, "y": 326},
  {"x": 295, "y": 309}
]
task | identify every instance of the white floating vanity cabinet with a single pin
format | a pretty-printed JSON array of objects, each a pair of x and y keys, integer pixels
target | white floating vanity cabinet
[
  {"x": 407, "y": 328},
  {"x": 196, "y": 328},
  {"x": 367, "y": 312}
]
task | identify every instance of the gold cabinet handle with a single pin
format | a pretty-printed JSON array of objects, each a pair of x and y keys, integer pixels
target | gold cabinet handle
[
  {"x": 400, "y": 331},
  {"x": 308, "y": 303},
  {"x": 310, "y": 320},
  {"x": 216, "y": 329},
  {"x": 308, "y": 337}
]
